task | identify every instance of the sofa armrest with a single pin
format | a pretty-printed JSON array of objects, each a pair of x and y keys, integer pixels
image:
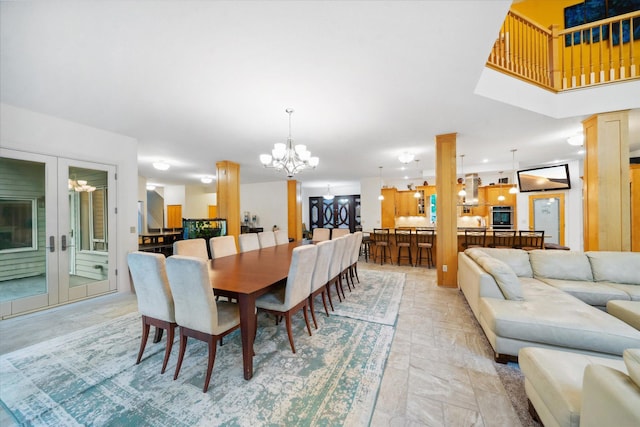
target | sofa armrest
[
  {"x": 475, "y": 282},
  {"x": 609, "y": 397}
]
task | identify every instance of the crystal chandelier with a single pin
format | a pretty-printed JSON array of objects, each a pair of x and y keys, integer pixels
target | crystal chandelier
[{"x": 287, "y": 158}]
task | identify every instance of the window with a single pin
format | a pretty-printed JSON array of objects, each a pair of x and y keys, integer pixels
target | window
[{"x": 18, "y": 225}]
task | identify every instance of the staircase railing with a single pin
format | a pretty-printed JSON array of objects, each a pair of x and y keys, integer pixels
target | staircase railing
[{"x": 592, "y": 54}]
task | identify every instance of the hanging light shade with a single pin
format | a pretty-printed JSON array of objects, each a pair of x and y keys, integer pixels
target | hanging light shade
[
  {"x": 380, "y": 197},
  {"x": 462, "y": 193},
  {"x": 287, "y": 158},
  {"x": 500, "y": 196},
  {"x": 417, "y": 194},
  {"x": 328, "y": 196},
  {"x": 514, "y": 187}
]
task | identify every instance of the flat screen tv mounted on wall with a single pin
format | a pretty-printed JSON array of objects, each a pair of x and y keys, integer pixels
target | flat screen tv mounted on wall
[{"x": 545, "y": 178}]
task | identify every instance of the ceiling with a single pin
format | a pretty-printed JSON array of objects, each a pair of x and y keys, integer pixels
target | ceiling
[{"x": 197, "y": 82}]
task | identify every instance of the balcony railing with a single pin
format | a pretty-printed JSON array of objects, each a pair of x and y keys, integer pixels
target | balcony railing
[{"x": 592, "y": 54}]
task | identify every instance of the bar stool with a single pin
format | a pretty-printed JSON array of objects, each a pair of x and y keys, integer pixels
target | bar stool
[
  {"x": 474, "y": 238},
  {"x": 380, "y": 239},
  {"x": 365, "y": 247},
  {"x": 403, "y": 241},
  {"x": 424, "y": 241}
]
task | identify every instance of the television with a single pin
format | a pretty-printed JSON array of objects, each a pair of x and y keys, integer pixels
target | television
[{"x": 549, "y": 178}]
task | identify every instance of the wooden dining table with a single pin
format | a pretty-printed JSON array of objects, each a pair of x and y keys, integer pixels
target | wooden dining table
[{"x": 246, "y": 276}]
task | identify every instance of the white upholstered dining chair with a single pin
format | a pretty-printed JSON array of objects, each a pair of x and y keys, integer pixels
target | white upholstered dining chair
[
  {"x": 248, "y": 242},
  {"x": 287, "y": 299},
  {"x": 266, "y": 239},
  {"x": 321, "y": 276},
  {"x": 320, "y": 234},
  {"x": 339, "y": 232},
  {"x": 281, "y": 237},
  {"x": 199, "y": 315},
  {"x": 222, "y": 246},
  {"x": 191, "y": 247},
  {"x": 355, "y": 255},
  {"x": 155, "y": 302},
  {"x": 335, "y": 268}
]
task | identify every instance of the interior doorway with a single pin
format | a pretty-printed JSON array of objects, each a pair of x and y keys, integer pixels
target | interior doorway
[
  {"x": 546, "y": 212},
  {"x": 340, "y": 212}
]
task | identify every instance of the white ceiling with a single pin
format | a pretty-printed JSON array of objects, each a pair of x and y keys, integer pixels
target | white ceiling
[{"x": 196, "y": 82}]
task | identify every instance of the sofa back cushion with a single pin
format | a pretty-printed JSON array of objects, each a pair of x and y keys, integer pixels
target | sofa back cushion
[
  {"x": 517, "y": 259},
  {"x": 631, "y": 358},
  {"x": 504, "y": 276},
  {"x": 565, "y": 265},
  {"x": 617, "y": 267}
]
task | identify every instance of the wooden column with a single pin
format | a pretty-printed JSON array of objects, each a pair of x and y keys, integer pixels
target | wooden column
[
  {"x": 294, "y": 207},
  {"x": 228, "y": 194},
  {"x": 607, "y": 209},
  {"x": 446, "y": 199}
]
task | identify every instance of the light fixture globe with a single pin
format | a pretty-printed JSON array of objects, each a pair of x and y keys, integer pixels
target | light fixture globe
[
  {"x": 161, "y": 165},
  {"x": 287, "y": 158},
  {"x": 406, "y": 157}
]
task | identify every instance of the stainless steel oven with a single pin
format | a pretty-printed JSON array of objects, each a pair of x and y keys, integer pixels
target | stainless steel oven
[{"x": 502, "y": 217}]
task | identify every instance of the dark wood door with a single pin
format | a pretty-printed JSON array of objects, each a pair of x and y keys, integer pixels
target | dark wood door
[{"x": 341, "y": 212}]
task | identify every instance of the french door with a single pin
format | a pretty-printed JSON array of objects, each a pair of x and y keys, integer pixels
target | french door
[
  {"x": 57, "y": 231},
  {"x": 340, "y": 212}
]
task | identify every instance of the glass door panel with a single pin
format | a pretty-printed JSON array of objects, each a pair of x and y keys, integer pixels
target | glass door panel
[
  {"x": 55, "y": 220},
  {"x": 86, "y": 218},
  {"x": 27, "y": 224}
]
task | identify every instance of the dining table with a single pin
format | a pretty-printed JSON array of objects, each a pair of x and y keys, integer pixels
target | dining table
[{"x": 246, "y": 276}]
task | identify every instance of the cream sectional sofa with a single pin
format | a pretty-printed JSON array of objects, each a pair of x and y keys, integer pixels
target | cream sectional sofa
[{"x": 551, "y": 299}]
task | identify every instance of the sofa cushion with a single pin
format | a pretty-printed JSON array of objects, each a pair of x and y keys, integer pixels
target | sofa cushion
[
  {"x": 632, "y": 290},
  {"x": 617, "y": 267},
  {"x": 504, "y": 276},
  {"x": 567, "y": 265},
  {"x": 627, "y": 311},
  {"x": 560, "y": 322},
  {"x": 631, "y": 358},
  {"x": 517, "y": 259},
  {"x": 593, "y": 293}
]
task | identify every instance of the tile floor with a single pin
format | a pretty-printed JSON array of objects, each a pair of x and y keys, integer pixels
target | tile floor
[{"x": 440, "y": 370}]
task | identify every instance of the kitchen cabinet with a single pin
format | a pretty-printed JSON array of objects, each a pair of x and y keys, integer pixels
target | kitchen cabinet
[
  {"x": 492, "y": 193},
  {"x": 388, "y": 208},
  {"x": 406, "y": 203}
]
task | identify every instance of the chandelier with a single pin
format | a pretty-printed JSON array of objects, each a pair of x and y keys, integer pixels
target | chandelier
[
  {"x": 287, "y": 158},
  {"x": 80, "y": 185}
]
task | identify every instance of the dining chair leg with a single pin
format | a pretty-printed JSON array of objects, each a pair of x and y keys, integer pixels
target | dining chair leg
[
  {"x": 338, "y": 289},
  {"x": 289, "y": 332},
  {"x": 212, "y": 357},
  {"x": 341, "y": 288},
  {"x": 145, "y": 337},
  {"x": 183, "y": 347},
  {"x": 328, "y": 286},
  {"x": 157, "y": 337},
  {"x": 324, "y": 302},
  {"x": 313, "y": 314},
  {"x": 167, "y": 351},
  {"x": 306, "y": 319}
]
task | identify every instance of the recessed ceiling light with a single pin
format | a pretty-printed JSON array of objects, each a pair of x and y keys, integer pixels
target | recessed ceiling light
[
  {"x": 485, "y": 160},
  {"x": 161, "y": 165},
  {"x": 151, "y": 187},
  {"x": 206, "y": 179},
  {"x": 577, "y": 139}
]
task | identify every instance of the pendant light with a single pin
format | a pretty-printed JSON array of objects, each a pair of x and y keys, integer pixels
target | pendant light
[
  {"x": 500, "y": 196},
  {"x": 380, "y": 197},
  {"x": 328, "y": 196},
  {"x": 514, "y": 187},
  {"x": 462, "y": 193}
]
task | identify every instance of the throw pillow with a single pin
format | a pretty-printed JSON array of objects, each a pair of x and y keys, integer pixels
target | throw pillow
[
  {"x": 517, "y": 259},
  {"x": 504, "y": 276}
]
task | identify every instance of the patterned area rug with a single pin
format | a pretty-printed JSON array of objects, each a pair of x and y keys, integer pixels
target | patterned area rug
[
  {"x": 374, "y": 299},
  {"x": 89, "y": 377}
]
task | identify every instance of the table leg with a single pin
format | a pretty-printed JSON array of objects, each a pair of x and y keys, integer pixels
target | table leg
[{"x": 247, "y": 305}]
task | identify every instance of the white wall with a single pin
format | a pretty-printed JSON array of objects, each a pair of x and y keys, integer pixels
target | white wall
[
  {"x": 29, "y": 131},
  {"x": 572, "y": 209},
  {"x": 370, "y": 214},
  {"x": 267, "y": 200},
  {"x": 197, "y": 201}
]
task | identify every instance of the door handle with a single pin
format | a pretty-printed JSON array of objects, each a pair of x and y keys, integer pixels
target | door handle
[
  {"x": 52, "y": 244},
  {"x": 63, "y": 243}
]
